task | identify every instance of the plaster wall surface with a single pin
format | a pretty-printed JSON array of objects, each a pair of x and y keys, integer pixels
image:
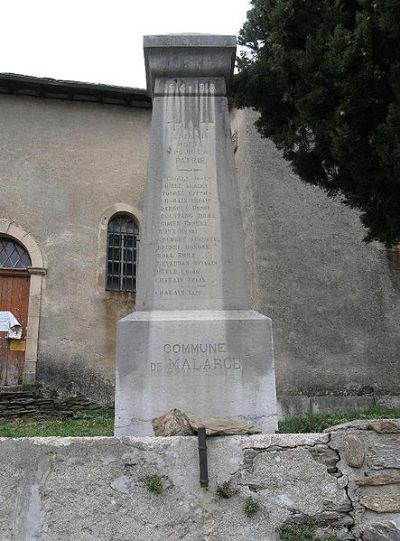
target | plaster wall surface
[
  {"x": 344, "y": 482},
  {"x": 334, "y": 300},
  {"x": 65, "y": 168}
]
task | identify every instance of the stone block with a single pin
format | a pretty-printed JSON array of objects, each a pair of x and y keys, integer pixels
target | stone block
[
  {"x": 378, "y": 480},
  {"x": 206, "y": 363},
  {"x": 290, "y": 406},
  {"x": 328, "y": 404},
  {"x": 188, "y": 55},
  {"x": 384, "y": 453},
  {"x": 384, "y": 426},
  {"x": 381, "y": 532},
  {"x": 223, "y": 427},
  {"x": 353, "y": 451},
  {"x": 361, "y": 424},
  {"x": 381, "y": 503},
  {"x": 173, "y": 423},
  {"x": 292, "y": 479},
  {"x": 325, "y": 455},
  {"x": 31, "y": 349},
  {"x": 177, "y": 423},
  {"x": 33, "y": 327},
  {"x": 388, "y": 401},
  {"x": 284, "y": 441},
  {"x": 4, "y": 225}
]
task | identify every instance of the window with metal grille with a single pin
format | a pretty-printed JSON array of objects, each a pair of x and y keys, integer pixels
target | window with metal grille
[
  {"x": 122, "y": 241},
  {"x": 13, "y": 255}
]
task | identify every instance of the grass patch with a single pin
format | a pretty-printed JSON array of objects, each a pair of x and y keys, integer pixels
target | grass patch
[
  {"x": 318, "y": 423},
  {"x": 88, "y": 423},
  {"x": 297, "y": 532},
  {"x": 226, "y": 491},
  {"x": 154, "y": 483},
  {"x": 251, "y": 507}
]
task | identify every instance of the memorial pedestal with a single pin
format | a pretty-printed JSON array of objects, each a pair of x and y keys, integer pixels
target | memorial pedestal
[{"x": 208, "y": 363}]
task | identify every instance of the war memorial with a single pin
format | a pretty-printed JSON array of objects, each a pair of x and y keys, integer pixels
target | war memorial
[{"x": 193, "y": 342}]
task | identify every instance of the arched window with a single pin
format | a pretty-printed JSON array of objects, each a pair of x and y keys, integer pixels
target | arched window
[
  {"x": 122, "y": 239},
  {"x": 13, "y": 255}
]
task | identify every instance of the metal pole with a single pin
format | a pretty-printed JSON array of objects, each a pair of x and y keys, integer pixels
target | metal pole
[{"x": 203, "y": 456}]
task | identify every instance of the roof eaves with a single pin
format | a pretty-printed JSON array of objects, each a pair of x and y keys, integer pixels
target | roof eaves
[{"x": 11, "y": 83}]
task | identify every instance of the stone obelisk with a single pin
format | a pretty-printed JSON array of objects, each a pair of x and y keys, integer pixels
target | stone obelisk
[{"x": 194, "y": 343}]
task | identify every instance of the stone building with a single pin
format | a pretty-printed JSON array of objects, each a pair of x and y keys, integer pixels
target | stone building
[{"x": 72, "y": 172}]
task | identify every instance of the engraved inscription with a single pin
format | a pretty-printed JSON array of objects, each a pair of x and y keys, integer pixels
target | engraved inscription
[
  {"x": 195, "y": 359},
  {"x": 188, "y": 251}
]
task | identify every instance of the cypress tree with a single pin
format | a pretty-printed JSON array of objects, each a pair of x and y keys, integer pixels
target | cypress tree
[{"x": 325, "y": 77}]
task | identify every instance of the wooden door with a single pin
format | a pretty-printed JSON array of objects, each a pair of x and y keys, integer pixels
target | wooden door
[{"x": 14, "y": 297}]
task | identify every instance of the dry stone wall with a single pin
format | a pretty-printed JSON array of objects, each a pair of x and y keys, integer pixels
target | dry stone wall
[
  {"x": 369, "y": 458},
  {"x": 30, "y": 401},
  {"x": 345, "y": 482}
]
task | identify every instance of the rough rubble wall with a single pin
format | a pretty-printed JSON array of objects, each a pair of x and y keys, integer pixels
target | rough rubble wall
[
  {"x": 346, "y": 482},
  {"x": 33, "y": 401},
  {"x": 334, "y": 300}
]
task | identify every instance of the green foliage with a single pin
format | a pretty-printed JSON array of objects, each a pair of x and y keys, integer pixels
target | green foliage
[
  {"x": 318, "y": 423},
  {"x": 101, "y": 423},
  {"x": 296, "y": 532},
  {"x": 97, "y": 415},
  {"x": 304, "y": 532},
  {"x": 325, "y": 78},
  {"x": 225, "y": 490},
  {"x": 88, "y": 423},
  {"x": 251, "y": 507},
  {"x": 154, "y": 483}
]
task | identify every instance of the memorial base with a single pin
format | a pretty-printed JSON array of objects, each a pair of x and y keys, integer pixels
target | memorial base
[{"x": 207, "y": 363}]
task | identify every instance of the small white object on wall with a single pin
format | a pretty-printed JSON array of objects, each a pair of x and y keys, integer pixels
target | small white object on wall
[{"x": 10, "y": 324}]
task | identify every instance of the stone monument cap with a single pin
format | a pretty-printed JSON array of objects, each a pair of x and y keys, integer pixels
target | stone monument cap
[
  {"x": 189, "y": 55},
  {"x": 189, "y": 40}
]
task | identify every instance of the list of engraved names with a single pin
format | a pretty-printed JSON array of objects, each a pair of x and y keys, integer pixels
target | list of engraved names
[{"x": 189, "y": 246}]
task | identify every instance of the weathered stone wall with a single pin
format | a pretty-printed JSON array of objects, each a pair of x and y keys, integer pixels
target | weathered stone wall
[
  {"x": 65, "y": 168},
  {"x": 346, "y": 482},
  {"x": 369, "y": 465},
  {"x": 334, "y": 300}
]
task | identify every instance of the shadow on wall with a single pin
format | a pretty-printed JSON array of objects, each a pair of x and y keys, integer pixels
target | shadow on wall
[
  {"x": 393, "y": 259},
  {"x": 72, "y": 377}
]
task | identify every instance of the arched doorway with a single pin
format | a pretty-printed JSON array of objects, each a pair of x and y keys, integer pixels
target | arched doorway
[{"x": 14, "y": 304}]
